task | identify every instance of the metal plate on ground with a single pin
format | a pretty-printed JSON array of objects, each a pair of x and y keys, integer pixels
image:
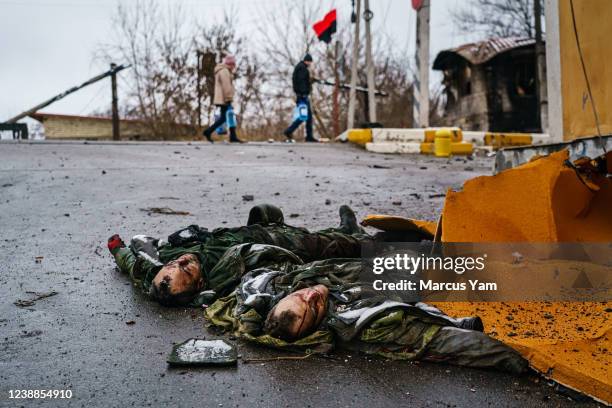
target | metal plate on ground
[{"x": 197, "y": 352}]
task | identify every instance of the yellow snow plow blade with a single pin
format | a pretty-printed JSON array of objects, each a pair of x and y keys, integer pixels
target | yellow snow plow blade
[{"x": 546, "y": 200}]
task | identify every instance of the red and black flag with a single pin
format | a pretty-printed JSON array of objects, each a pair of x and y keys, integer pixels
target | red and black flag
[{"x": 326, "y": 27}]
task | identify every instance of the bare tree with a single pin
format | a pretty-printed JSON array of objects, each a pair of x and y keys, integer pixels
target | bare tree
[
  {"x": 497, "y": 18},
  {"x": 164, "y": 47},
  {"x": 159, "y": 83},
  {"x": 161, "y": 46}
]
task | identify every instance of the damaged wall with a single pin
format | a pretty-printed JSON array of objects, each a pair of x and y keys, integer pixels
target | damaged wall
[{"x": 490, "y": 85}]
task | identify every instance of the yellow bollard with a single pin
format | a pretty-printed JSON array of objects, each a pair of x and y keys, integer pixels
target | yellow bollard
[
  {"x": 360, "y": 136},
  {"x": 442, "y": 143}
]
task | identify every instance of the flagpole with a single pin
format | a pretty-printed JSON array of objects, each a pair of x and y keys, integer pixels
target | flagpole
[
  {"x": 336, "y": 114},
  {"x": 370, "y": 66},
  {"x": 353, "y": 90},
  {"x": 324, "y": 30}
]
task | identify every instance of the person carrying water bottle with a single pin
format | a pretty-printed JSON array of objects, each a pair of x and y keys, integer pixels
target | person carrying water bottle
[
  {"x": 302, "y": 88},
  {"x": 224, "y": 94}
]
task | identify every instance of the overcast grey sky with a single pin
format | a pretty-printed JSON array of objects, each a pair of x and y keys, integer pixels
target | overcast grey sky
[{"x": 47, "y": 46}]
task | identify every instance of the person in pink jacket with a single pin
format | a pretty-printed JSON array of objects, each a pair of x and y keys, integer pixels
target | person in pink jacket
[{"x": 224, "y": 95}]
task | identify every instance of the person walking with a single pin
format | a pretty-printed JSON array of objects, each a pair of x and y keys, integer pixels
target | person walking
[
  {"x": 224, "y": 94},
  {"x": 302, "y": 87}
]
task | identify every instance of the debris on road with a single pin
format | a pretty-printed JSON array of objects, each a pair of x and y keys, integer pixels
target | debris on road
[
  {"x": 248, "y": 197},
  {"x": 164, "y": 211},
  {"x": 32, "y": 333},
  {"x": 37, "y": 296},
  {"x": 203, "y": 352}
]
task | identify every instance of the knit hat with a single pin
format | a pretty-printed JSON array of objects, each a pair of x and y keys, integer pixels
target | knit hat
[{"x": 307, "y": 57}]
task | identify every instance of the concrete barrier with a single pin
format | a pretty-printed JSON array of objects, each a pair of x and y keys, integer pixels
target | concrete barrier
[
  {"x": 394, "y": 147},
  {"x": 390, "y": 140},
  {"x": 384, "y": 135}
]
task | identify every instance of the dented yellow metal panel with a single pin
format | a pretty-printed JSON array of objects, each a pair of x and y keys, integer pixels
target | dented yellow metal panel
[
  {"x": 397, "y": 223},
  {"x": 541, "y": 201}
]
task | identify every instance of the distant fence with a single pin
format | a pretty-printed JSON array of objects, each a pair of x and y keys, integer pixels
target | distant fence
[{"x": 17, "y": 130}]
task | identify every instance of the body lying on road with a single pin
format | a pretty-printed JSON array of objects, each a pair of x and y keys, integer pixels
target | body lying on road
[
  {"x": 285, "y": 287},
  {"x": 176, "y": 271}
]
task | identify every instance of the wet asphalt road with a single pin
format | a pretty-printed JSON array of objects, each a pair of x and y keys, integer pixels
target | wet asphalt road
[{"x": 61, "y": 202}]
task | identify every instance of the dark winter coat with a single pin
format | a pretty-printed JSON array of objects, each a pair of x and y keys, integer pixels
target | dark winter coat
[{"x": 301, "y": 79}]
